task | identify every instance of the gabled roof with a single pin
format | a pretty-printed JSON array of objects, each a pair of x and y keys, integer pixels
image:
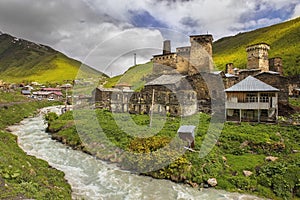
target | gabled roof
[
  {"x": 251, "y": 84},
  {"x": 172, "y": 79},
  {"x": 113, "y": 90},
  {"x": 26, "y": 92}
]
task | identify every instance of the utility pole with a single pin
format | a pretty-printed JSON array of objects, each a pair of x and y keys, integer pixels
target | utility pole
[
  {"x": 134, "y": 59},
  {"x": 152, "y": 108}
]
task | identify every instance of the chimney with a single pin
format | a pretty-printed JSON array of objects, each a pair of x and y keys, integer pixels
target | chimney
[
  {"x": 229, "y": 68},
  {"x": 167, "y": 47}
]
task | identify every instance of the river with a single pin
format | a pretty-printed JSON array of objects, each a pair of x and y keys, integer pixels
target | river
[{"x": 93, "y": 179}]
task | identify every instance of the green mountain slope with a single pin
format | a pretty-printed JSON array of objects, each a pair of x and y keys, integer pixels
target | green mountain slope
[
  {"x": 133, "y": 76},
  {"x": 283, "y": 38},
  {"x": 21, "y": 60}
]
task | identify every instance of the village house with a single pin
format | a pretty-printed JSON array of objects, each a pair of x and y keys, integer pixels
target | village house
[
  {"x": 113, "y": 99},
  {"x": 270, "y": 71},
  {"x": 166, "y": 94},
  {"x": 252, "y": 100}
]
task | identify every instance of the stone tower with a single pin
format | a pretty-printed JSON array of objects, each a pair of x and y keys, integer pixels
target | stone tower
[
  {"x": 201, "y": 53},
  {"x": 258, "y": 57},
  {"x": 167, "y": 47},
  {"x": 276, "y": 65}
]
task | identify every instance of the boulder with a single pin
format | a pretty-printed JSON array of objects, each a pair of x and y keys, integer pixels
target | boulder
[
  {"x": 271, "y": 158},
  {"x": 224, "y": 158},
  {"x": 212, "y": 182},
  {"x": 247, "y": 173}
]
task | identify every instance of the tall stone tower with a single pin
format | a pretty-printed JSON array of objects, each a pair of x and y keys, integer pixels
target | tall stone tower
[
  {"x": 201, "y": 53},
  {"x": 276, "y": 65},
  {"x": 167, "y": 47},
  {"x": 258, "y": 57}
]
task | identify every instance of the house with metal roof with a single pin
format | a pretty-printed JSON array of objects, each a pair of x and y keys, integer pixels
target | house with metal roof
[{"x": 251, "y": 100}]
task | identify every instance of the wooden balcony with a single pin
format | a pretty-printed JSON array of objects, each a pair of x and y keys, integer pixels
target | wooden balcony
[{"x": 247, "y": 105}]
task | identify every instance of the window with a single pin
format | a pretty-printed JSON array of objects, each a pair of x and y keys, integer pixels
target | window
[
  {"x": 251, "y": 97},
  {"x": 264, "y": 98}
]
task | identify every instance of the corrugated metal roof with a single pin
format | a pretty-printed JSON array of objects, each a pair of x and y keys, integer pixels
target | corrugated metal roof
[
  {"x": 230, "y": 75},
  {"x": 114, "y": 90},
  {"x": 251, "y": 84},
  {"x": 269, "y": 72},
  {"x": 166, "y": 80},
  {"x": 186, "y": 129}
]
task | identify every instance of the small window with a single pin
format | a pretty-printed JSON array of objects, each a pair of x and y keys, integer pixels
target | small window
[{"x": 251, "y": 97}]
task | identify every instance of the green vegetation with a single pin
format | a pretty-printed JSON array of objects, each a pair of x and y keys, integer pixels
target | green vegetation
[
  {"x": 9, "y": 97},
  {"x": 23, "y": 176},
  {"x": 240, "y": 147},
  {"x": 24, "y": 61},
  {"x": 134, "y": 76},
  {"x": 295, "y": 102},
  {"x": 283, "y": 38}
]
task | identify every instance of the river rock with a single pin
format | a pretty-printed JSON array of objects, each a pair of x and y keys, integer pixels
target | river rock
[
  {"x": 271, "y": 158},
  {"x": 247, "y": 173},
  {"x": 212, "y": 182},
  {"x": 224, "y": 158}
]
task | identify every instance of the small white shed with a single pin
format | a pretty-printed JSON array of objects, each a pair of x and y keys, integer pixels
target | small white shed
[{"x": 187, "y": 133}]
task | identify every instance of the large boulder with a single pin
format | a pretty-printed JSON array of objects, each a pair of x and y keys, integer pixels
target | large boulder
[{"x": 212, "y": 182}]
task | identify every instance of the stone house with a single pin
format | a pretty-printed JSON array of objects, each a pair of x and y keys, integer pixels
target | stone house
[
  {"x": 168, "y": 94},
  {"x": 251, "y": 100},
  {"x": 113, "y": 99},
  {"x": 276, "y": 80}
]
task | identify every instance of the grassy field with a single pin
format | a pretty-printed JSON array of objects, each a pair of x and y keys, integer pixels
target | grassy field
[
  {"x": 23, "y": 176},
  {"x": 240, "y": 147},
  {"x": 9, "y": 97}
]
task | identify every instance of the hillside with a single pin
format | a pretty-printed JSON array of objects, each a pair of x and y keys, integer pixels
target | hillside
[
  {"x": 22, "y": 60},
  {"x": 283, "y": 38},
  {"x": 133, "y": 76}
]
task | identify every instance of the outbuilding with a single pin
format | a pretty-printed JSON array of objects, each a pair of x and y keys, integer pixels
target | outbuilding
[{"x": 187, "y": 133}]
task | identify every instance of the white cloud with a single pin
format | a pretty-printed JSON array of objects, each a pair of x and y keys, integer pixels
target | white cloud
[
  {"x": 296, "y": 12},
  {"x": 75, "y": 27}
]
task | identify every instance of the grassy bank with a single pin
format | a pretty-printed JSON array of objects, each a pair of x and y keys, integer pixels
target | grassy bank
[
  {"x": 23, "y": 176},
  {"x": 240, "y": 148}
]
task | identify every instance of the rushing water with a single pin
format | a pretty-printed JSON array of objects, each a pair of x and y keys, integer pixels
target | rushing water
[{"x": 93, "y": 179}]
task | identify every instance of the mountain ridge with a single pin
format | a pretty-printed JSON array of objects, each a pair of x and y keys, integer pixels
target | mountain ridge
[{"x": 22, "y": 60}]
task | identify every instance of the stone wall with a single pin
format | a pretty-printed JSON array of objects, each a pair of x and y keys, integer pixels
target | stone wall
[
  {"x": 164, "y": 64},
  {"x": 276, "y": 65},
  {"x": 279, "y": 82}
]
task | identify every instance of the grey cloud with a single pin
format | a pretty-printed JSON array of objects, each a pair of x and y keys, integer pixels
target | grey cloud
[
  {"x": 189, "y": 21},
  {"x": 43, "y": 20}
]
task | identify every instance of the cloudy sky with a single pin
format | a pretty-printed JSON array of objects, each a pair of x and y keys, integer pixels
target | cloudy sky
[{"x": 107, "y": 33}]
